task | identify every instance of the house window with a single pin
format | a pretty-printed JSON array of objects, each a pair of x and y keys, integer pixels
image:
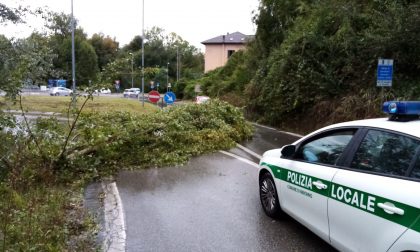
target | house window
[{"x": 230, "y": 52}]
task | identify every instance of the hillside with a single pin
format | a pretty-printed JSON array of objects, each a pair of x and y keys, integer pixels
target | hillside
[{"x": 313, "y": 63}]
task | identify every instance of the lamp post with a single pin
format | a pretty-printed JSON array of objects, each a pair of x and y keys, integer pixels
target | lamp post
[
  {"x": 167, "y": 74},
  {"x": 178, "y": 67},
  {"x": 142, "y": 58},
  {"x": 132, "y": 66},
  {"x": 73, "y": 59}
]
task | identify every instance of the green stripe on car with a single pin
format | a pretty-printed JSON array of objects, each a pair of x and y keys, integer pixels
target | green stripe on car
[{"x": 362, "y": 200}]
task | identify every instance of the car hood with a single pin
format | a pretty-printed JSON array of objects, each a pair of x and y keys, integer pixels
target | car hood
[{"x": 272, "y": 153}]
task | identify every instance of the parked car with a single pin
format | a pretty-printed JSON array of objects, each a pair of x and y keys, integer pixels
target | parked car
[
  {"x": 60, "y": 91},
  {"x": 131, "y": 92},
  {"x": 103, "y": 91},
  {"x": 202, "y": 99}
]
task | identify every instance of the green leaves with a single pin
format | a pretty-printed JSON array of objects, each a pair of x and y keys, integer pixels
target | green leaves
[
  {"x": 167, "y": 137},
  {"x": 329, "y": 52}
]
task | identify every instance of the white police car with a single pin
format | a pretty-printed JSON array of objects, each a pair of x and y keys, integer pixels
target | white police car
[{"x": 354, "y": 184}]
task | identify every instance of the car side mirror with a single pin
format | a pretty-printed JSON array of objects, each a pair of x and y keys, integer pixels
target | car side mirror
[{"x": 288, "y": 151}]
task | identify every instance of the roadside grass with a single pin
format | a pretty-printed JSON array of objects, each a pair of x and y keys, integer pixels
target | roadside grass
[
  {"x": 45, "y": 218},
  {"x": 60, "y": 104}
]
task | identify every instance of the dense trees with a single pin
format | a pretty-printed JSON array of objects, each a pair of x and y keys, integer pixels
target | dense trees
[
  {"x": 161, "y": 48},
  {"x": 314, "y": 62},
  {"x": 106, "y": 49},
  {"x": 98, "y": 59},
  {"x": 9, "y": 14}
]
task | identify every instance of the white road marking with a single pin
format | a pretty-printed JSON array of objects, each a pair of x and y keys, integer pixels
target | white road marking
[
  {"x": 248, "y": 151},
  {"x": 285, "y": 132},
  {"x": 240, "y": 158}
]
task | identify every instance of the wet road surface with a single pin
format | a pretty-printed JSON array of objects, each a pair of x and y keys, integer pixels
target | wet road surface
[{"x": 209, "y": 204}]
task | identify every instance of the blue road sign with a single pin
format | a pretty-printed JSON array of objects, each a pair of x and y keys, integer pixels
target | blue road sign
[
  {"x": 385, "y": 70},
  {"x": 169, "y": 98}
]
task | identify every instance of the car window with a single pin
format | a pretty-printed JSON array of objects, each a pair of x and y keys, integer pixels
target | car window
[
  {"x": 326, "y": 149},
  {"x": 416, "y": 170},
  {"x": 385, "y": 152}
]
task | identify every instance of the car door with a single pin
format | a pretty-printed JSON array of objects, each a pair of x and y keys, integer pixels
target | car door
[
  {"x": 63, "y": 91},
  {"x": 305, "y": 185},
  {"x": 374, "y": 202},
  {"x": 410, "y": 240}
]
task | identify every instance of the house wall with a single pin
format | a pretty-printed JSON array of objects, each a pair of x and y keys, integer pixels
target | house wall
[{"x": 217, "y": 55}]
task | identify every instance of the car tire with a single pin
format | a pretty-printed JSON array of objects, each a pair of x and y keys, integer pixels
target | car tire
[{"x": 268, "y": 196}]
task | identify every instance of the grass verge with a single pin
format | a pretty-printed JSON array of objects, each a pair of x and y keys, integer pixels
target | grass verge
[{"x": 60, "y": 104}]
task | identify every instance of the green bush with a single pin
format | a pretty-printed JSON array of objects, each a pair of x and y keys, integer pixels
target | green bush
[
  {"x": 168, "y": 137},
  {"x": 329, "y": 54}
]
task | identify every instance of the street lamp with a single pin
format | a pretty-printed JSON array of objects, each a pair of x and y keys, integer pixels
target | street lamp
[
  {"x": 142, "y": 58},
  {"x": 132, "y": 66},
  {"x": 73, "y": 59},
  {"x": 167, "y": 74},
  {"x": 178, "y": 65}
]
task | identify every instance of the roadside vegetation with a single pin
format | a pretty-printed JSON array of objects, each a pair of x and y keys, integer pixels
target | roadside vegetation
[
  {"x": 313, "y": 63},
  {"x": 45, "y": 166}
]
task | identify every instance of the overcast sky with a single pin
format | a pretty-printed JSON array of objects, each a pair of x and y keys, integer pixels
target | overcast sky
[{"x": 194, "y": 20}]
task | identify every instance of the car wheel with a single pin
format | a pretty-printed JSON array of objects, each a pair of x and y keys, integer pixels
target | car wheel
[{"x": 268, "y": 196}]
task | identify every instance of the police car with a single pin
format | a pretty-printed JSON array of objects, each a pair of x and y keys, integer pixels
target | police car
[{"x": 354, "y": 184}]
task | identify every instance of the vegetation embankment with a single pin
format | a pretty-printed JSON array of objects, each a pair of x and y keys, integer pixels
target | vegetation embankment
[
  {"x": 43, "y": 170},
  {"x": 313, "y": 63}
]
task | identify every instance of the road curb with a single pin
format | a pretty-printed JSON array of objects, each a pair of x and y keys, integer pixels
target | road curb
[{"x": 114, "y": 226}]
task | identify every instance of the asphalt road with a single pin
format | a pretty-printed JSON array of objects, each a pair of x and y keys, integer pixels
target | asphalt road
[{"x": 210, "y": 204}]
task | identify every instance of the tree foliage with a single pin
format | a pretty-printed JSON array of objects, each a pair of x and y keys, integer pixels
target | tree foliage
[
  {"x": 105, "y": 47},
  {"x": 331, "y": 52},
  {"x": 311, "y": 61},
  {"x": 60, "y": 41},
  {"x": 9, "y": 14},
  {"x": 162, "y": 48}
]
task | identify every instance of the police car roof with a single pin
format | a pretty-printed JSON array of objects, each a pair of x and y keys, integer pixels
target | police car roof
[{"x": 410, "y": 128}]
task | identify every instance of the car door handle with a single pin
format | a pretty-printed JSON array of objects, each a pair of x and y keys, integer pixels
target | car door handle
[
  {"x": 319, "y": 185},
  {"x": 389, "y": 208}
]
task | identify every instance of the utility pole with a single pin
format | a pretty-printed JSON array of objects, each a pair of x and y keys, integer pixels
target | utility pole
[
  {"x": 167, "y": 74},
  {"x": 177, "y": 64},
  {"x": 142, "y": 58},
  {"x": 73, "y": 59},
  {"x": 132, "y": 66}
]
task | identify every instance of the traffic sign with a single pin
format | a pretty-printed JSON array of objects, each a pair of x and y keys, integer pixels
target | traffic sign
[
  {"x": 154, "y": 96},
  {"x": 169, "y": 98},
  {"x": 197, "y": 88},
  {"x": 385, "y": 70}
]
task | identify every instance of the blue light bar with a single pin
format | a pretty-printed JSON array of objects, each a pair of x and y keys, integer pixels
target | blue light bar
[{"x": 409, "y": 108}]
